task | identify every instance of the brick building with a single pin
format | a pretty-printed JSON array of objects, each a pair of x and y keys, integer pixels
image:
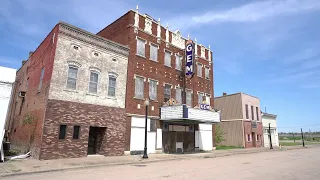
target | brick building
[
  {"x": 240, "y": 120},
  {"x": 69, "y": 97},
  {"x": 156, "y": 71}
]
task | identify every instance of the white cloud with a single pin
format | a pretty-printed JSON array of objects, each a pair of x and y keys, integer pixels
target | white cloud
[{"x": 249, "y": 12}]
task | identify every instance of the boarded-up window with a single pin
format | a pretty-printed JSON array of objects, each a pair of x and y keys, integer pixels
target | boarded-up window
[
  {"x": 167, "y": 92},
  {"x": 153, "y": 89},
  {"x": 76, "y": 132},
  {"x": 139, "y": 86},
  {"x": 141, "y": 46},
  {"x": 178, "y": 95},
  {"x": 178, "y": 62},
  {"x": 200, "y": 98},
  {"x": 189, "y": 97},
  {"x": 167, "y": 58},
  {"x": 153, "y": 52},
  {"x": 62, "y": 131}
]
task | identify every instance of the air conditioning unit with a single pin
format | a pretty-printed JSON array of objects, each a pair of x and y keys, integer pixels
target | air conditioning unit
[{"x": 22, "y": 94}]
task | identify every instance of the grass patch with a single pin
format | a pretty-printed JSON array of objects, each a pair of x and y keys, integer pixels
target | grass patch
[
  {"x": 297, "y": 143},
  {"x": 227, "y": 147}
]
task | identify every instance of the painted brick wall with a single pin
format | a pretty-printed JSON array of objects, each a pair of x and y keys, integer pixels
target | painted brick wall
[
  {"x": 85, "y": 115},
  {"x": 26, "y": 134}
]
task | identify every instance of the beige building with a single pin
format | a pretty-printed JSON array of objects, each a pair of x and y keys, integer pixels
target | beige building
[
  {"x": 266, "y": 120},
  {"x": 240, "y": 120}
]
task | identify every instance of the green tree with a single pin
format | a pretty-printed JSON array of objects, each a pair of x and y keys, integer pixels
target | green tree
[{"x": 219, "y": 134}]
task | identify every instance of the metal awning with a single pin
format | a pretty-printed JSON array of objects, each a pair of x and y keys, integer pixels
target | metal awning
[{"x": 182, "y": 113}]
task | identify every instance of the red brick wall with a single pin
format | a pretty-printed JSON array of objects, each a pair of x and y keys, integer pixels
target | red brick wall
[
  {"x": 84, "y": 115},
  {"x": 150, "y": 69},
  {"x": 122, "y": 31},
  {"x": 26, "y": 134},
  {"x": 259, "y": 131}
]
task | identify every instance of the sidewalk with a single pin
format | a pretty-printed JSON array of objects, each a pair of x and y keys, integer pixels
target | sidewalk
[{"x": 26, "y": 166}]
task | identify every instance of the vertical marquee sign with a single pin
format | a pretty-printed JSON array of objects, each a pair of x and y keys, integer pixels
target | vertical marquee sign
[{"x": 189, "y": 58}]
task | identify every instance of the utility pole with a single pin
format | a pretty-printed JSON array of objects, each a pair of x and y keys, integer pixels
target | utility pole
[
  {"x": 270, "y": 137},
  {"x": 294, "y": 140},
  {"x": 302, "y": 138}
]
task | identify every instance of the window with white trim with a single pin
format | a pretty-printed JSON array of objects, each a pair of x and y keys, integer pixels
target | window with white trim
[
  {"x": 153, "y": 52},
  {"x": 41, "y": 78},
  {"x": 167, "y": 92},
  {"x": 189, "y": 97},
  {"x": 72, "y": 77},
  {"x": 139, "y": 86},
  {"x": 199, "y": 70},
  {"x": 112, "y": 85},
  {"x": 208, "y": 99},
  {"x": 207, "y": 73},
  {"x": 200, "y": 97},
  {"x": 141, "y": 47},
  {"x": 167, "y": 58},
  {"x": 178, "y": 95},
  {"x": 153, "y": 89},
  {"x": 93, "y": 83},
  {"x": 178, "y": 62}
]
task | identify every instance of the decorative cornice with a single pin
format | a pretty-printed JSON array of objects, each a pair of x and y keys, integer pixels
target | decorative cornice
[{"x": 93, "y": 39}]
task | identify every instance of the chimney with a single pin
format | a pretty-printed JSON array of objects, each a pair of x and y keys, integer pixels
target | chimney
[{"x": 224, "y": 93}]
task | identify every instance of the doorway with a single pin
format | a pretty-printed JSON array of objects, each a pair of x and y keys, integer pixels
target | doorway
[
  {"x": 254, "y": 140},
  {"x": 96, "y": 138}
]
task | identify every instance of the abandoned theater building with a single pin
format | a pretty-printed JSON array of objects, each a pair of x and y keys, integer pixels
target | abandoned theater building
[{"x": 81, "y": 93}]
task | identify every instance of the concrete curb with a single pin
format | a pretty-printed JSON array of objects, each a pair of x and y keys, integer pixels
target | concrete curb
[{"x": 210, "y": 155}]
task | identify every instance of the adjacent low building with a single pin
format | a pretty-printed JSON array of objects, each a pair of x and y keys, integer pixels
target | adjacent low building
[
  {"x": 69, "y": 98},
  {"x": 240, "y": 120},
  {"x": 7, "y": 78},
  {"x": 270, "y": 119}
]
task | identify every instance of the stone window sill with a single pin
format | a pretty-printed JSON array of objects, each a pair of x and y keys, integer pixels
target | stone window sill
[
  {"x": 153, "y": 60},
  {"x": 111, "y": 97},
  {"x": 141, "y": 56},
  {"x": 92, "y": 94},
  {"x": 71, "y": 90},
  {"x": 167, "y": 66},
  {"x": 138, "y": 98}
]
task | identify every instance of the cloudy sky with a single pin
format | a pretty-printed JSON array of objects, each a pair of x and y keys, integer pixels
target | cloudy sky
[{"x": 269, "y": 49}]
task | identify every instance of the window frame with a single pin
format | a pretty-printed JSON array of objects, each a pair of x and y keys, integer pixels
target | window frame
[
  {"x": 249, "y": 138},
  {"x": 76, "y": 67},
  {"x": 164, "y": 91},
  {"x": 203, "y": 94},
  {"x": 157, "y": 52},
  {"x": 98, "y": 73},
  {"x": 257, "y": 114},
  {"x": 176, "y": 88},
  {"x": 65, "y": 133},
  {"x": 191, "y": 92},
  {"x": 115, "y": 76},
  {"x": 198, "y": 65},
  {"x": 207, "y": 69},
  {"x": 41, "y": 78},
  {"x": 247, "y": 111},
  {"x": 73, "y": 133},
  {"x": 156, "y": 89},
  {"x": 181, "y": 59},
  {"x": 252, "y": 112},
  {"x": 165, "y": 52},
  {"x": 137, "y": 47},
  {"x": 135, "y": 84}
]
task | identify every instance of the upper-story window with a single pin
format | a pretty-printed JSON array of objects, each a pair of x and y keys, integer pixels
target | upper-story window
[
  {"x": 178, "y": 95},
  {"x": 141, "y": 47},
  {"x": 41, "y": 78},
  {"x": 139, "y": 86},
  {"x": 153, "y": 52},
  {"x": 208, "y": 99},
  {"x": 200, "y": 97},
  {"x": 199, "y": 70},
  {"x": 252, "y": 113},
  {"x": 189, "y": 97},
  {"x": 167, "y": 58},
  {"x": 207, "y": 73},
  {"x": 178, "y": 62},
  {"x": 153, "y": 89},
  {"x": 247, "y": 111},
  {"x": 93, "y": 83},
  {"x": 257, "y": 112},
  {"x": 112, "y": 85},
  {"x": 167, "y": 92},
  {"x": 72, "y": 77}
]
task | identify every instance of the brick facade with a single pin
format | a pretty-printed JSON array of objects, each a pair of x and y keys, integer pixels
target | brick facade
[
  {"x": 258, "y": 131},
  {"x": 124, "y": 31},
  {"x": 83, "y": 115},
  {"x": 34, "y": 120}
]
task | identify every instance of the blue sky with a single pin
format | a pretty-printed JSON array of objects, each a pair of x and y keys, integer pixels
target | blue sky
[{"x": 269, "y": 49}]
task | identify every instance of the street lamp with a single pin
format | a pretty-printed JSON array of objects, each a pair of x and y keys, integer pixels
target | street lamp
[
  {"x": 270, "y": 137},
  {"x": 146, "y": 103}
]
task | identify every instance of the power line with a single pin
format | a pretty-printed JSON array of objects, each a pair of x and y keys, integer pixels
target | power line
[{"x": 300, "y": 126}]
